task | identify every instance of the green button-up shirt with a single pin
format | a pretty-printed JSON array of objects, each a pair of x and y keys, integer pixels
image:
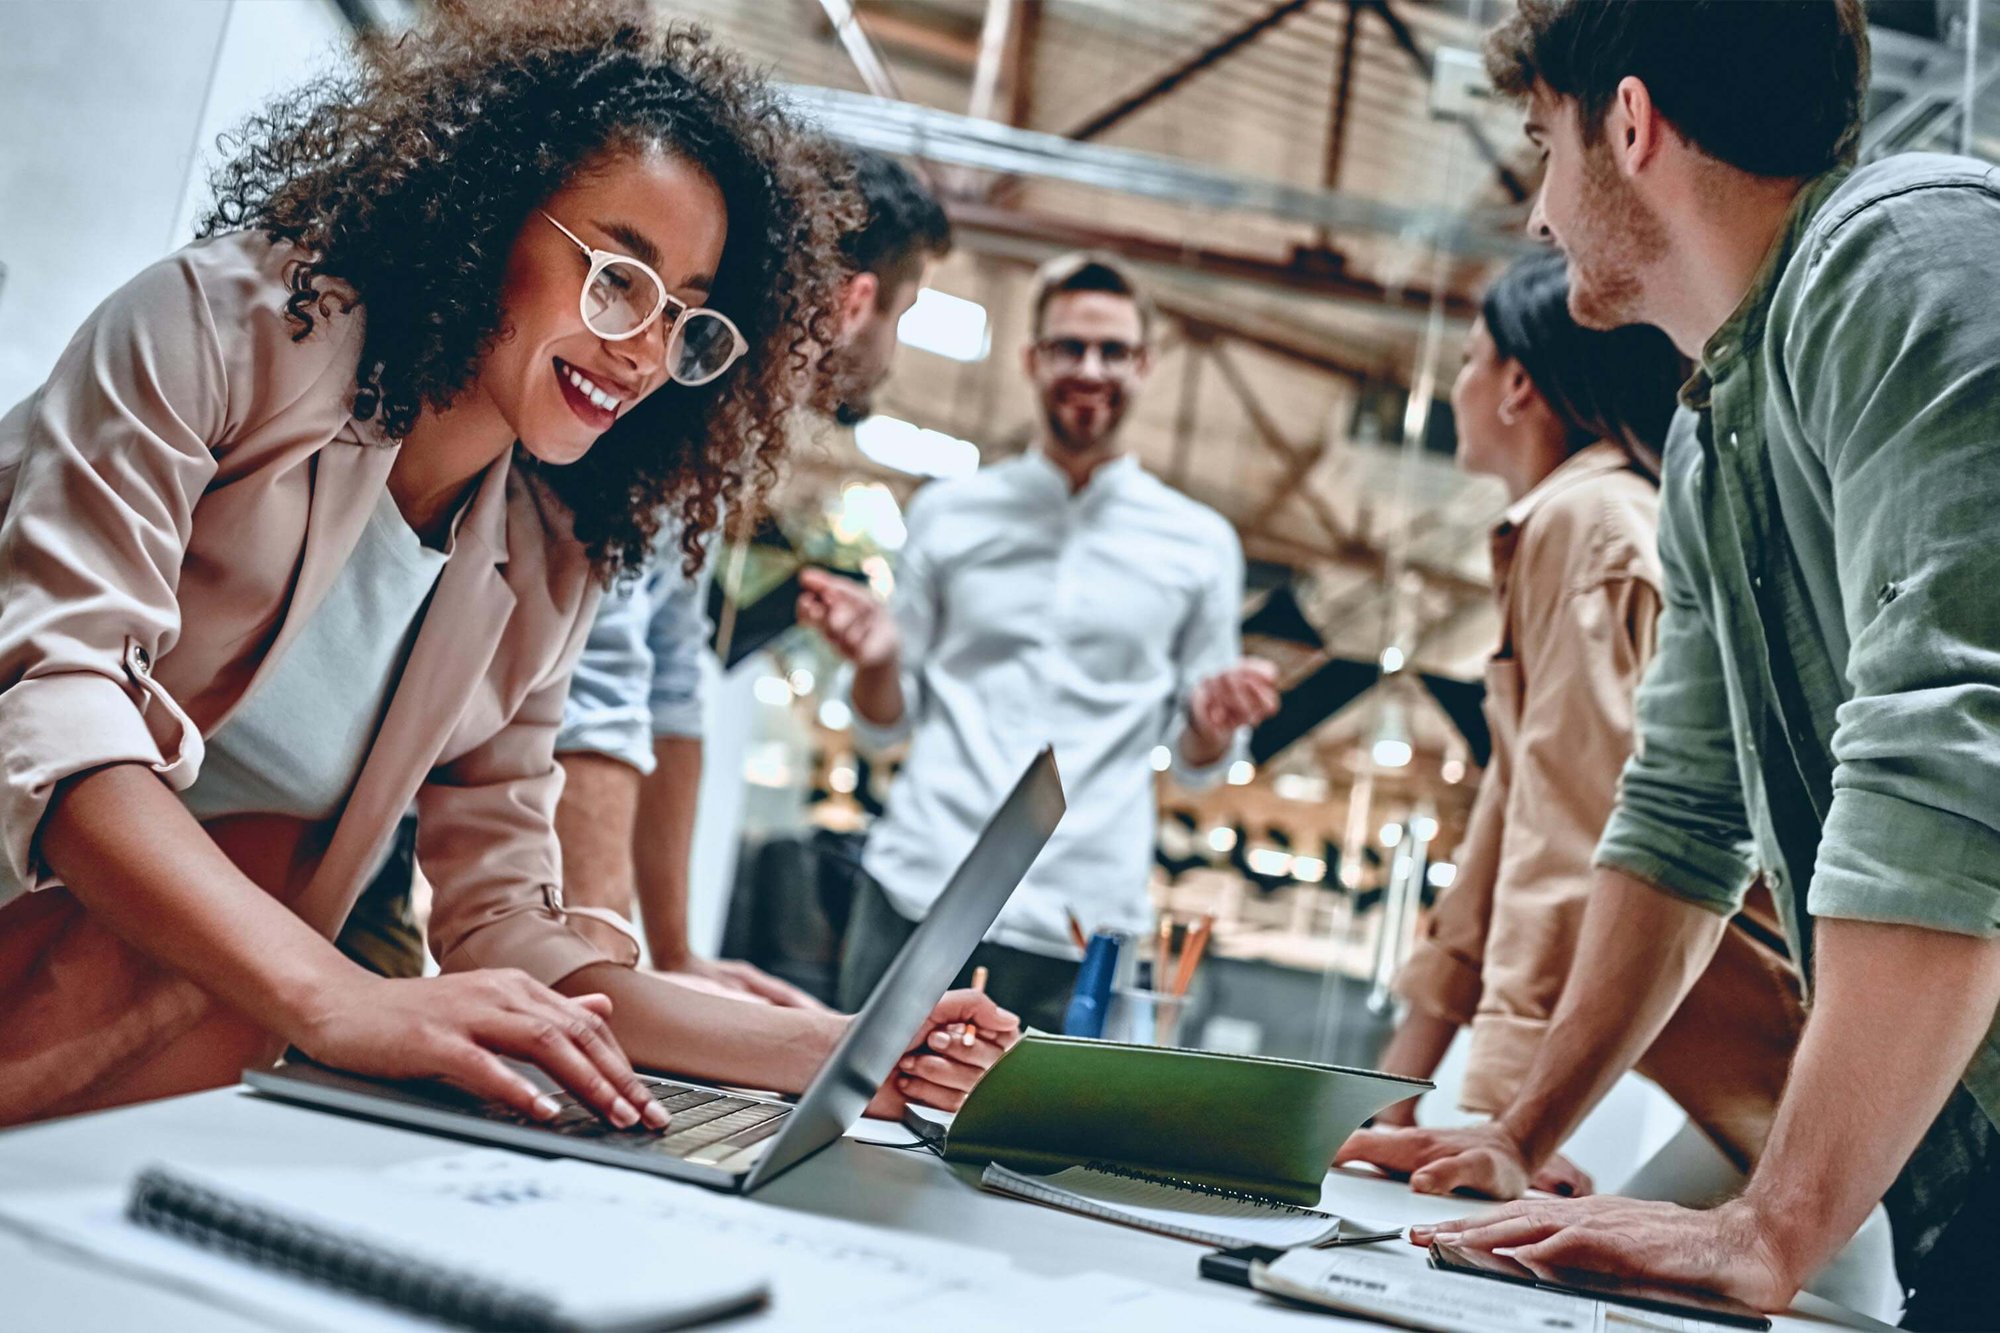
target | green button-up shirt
[{"x": 1824, "y": 707}]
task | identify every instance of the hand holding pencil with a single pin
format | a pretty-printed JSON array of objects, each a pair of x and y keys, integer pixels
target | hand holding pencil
[{"x": 943, "y": 1065}]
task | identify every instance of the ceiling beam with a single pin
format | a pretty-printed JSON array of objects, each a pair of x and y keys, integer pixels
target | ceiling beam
[
  {"x": 949, "y": 137},
  {"x": 1308, "y": 273},
  {"x": 860, "y": 48},
  {"x": 1168, "y": 80},
  {"x": 1427, "y": 63},
  {"x": 955, "y": 52},
  {"x": 1023, "y": 41},
  {"x": 989, "y": 70},
  {"x": 1343, "y": 96}
]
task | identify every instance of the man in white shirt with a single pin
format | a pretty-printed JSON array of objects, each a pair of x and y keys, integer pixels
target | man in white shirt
[{"x": 1064, "y": 596}]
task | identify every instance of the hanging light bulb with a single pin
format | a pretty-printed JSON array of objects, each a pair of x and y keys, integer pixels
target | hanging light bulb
[{"x": 1392, "y": 748}]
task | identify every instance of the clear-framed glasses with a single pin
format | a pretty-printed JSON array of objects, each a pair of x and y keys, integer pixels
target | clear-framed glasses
[
  {"x": 621, "y": 299},
  {"x": 1115, "y": 354}
]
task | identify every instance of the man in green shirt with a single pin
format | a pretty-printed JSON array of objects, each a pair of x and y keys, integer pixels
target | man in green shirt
[{"x": 1824, "y": 709}]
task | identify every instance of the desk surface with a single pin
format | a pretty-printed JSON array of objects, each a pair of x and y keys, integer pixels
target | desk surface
[{"x": 904, "y": 1191}]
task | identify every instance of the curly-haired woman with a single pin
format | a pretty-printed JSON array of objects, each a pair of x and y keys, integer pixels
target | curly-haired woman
[{"x": 307, "y": 523}]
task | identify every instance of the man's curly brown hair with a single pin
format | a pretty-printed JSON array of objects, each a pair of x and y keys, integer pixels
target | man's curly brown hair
[{"x": 406, "y": 182}]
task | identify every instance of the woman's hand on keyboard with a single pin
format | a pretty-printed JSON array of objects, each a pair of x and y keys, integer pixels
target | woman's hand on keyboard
[
  {"x": 457, "y": 1027},
  {"x": 963, "y": 1038}
]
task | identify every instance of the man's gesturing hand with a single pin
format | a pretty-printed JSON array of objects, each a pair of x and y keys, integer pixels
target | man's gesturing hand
[
  {"x": 850, "y": 618},
  {"x": 1241, "y": 696}
]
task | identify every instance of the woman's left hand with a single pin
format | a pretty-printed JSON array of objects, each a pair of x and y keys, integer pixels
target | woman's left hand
[{"x": 963, "y": 1038}]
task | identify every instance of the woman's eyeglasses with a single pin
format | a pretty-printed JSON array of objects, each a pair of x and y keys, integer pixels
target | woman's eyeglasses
[{"x": 621, "y": 299}]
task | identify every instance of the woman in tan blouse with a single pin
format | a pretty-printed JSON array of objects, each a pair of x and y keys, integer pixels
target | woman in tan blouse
[
  {"x": 1572, "y": 422},
  {"x": 326, "y": 497}
]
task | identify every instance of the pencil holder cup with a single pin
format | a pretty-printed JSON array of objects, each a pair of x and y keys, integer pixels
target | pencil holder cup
[{"x": 1144, "y": 1017}]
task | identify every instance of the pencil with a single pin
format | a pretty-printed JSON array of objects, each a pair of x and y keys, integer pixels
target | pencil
[
  {"x": 1076, "y": 934},
  {"x": 978, "y": 984},
  {"x": 1191, "y": 953}
]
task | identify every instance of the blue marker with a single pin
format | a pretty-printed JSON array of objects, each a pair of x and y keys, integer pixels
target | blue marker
[{"x": 1085, "y": 1016}]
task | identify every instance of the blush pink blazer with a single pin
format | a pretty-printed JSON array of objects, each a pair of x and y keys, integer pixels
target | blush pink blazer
[{"x": 177, "y": 499}]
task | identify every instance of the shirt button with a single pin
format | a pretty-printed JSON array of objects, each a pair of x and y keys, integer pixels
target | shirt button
[{"x": 1732, "y": 439}]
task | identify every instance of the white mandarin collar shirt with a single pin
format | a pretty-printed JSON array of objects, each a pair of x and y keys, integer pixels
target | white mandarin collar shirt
[{"x": 1030, "y": 616}]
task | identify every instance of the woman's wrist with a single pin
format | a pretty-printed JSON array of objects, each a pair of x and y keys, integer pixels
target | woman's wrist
[{"x": 305, "y": 1000}]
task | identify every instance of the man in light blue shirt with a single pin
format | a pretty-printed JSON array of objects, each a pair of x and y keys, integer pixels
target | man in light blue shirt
[{"x": 630, "y": 743}]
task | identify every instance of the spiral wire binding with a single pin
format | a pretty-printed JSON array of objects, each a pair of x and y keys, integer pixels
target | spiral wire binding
[
  {"x": 1197, "y": 1187},
  {"x": 260, "y": 1236}
]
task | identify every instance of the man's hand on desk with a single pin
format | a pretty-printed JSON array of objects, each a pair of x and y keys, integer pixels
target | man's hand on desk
[
  {"x": 1472, "y": 1159},
  {"x": 849, "y": 617},
  {"x": 1727, "y": 1249},
  {"x": 942, "y": 1066}
]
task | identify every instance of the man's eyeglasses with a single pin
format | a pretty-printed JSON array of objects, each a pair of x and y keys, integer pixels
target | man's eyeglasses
[
  {"x": 621, "y": 299},
  {"x": 1069, "y": 353}
]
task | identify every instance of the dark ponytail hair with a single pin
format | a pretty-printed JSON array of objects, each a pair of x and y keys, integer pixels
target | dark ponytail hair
[{"x": 1618, "y": 385}]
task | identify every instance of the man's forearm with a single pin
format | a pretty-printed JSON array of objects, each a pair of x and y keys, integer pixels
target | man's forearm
[
  {"x": 1418, "y": 1045},
  {"x": 878, "y": 693},
  {"x": 594, "y": 822},
  {"x": 663, "y": 843},
  {"x": 1639, "y": 952},
  {"x": 1898, "y": 1012}
]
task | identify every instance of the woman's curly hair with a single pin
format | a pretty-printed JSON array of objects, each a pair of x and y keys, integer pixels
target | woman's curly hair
[{"x": 405, "y": 183}]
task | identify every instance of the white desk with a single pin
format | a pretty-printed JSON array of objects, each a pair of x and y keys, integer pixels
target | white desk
[{"x": 905, "y": 1191}]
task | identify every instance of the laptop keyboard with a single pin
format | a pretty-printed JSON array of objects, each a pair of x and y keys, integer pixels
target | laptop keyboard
[{"x": 708, "y": 1126}]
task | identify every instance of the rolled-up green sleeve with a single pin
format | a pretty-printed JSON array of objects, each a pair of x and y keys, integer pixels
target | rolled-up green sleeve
[
  {"x": 1906, "y": 406},
  {"x": 1679, "y": 822}
]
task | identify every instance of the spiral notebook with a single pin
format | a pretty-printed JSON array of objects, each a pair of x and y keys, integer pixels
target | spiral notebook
[
  {"x": 1188, "y": 1210},
  {"x": 506, "y": 1259}
]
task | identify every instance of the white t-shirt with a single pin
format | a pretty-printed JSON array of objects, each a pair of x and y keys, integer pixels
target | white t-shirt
[{"x": 296, "y": 744}]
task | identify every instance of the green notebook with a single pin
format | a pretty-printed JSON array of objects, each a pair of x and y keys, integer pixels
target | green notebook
[{"x": 1254, "y": 1125}]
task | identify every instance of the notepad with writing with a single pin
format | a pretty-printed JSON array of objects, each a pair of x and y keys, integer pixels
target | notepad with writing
[{"x": 1183, "y": 1209}]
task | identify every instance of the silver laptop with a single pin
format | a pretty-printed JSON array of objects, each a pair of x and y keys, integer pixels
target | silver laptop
[{"x": 728, "y": 1140}]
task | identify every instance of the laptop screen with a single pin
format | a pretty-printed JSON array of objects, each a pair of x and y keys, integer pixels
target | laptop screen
[{"x": 882, "y": 1031}]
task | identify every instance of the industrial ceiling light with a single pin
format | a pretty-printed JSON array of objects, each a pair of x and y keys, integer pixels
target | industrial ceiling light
[{"x": 1392, "y": 748}]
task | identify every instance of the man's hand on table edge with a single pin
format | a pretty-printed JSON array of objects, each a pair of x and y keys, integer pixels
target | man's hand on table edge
[
  {"x": 1483, "y": 1160},
  {"x": 1731, "y": 1249}
]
